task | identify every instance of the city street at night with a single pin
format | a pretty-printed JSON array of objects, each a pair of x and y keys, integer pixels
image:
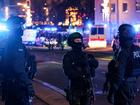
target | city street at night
[{"x": 35, "y": 35}]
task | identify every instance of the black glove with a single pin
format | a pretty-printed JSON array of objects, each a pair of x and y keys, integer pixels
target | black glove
[
  {"x": 110, "y": 96},
  {"x": 105, "y": 87},
  {"x": 110, "y": 99},
  {"x": 30, "y": 91},
  {"x": 93, "y": 100}
]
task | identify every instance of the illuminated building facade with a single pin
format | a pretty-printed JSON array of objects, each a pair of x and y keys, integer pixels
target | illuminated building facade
[
  {"x": 72, "y": 17},
  {"x": 116, "y": 12}
]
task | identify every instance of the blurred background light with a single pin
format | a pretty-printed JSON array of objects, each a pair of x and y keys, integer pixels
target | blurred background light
[{"x": 3, "y": 27}]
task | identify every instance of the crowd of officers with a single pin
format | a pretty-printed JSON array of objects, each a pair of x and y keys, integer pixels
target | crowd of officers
[{"x": 19, "y": 68}]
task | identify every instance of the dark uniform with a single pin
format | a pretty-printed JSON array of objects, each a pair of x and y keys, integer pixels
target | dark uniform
[
  {"x": 123, "y": 88},
  {"x": 80, "y": 68},
  {"x": 17, "y": 87},
  {"x": 112, "y": 71}
]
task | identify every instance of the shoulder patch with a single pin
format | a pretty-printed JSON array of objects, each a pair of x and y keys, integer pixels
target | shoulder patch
[{"x": 136, "y": 54}]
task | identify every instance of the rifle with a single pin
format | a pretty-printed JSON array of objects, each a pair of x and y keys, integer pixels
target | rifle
[
  {"x": 92, "y": 93},
  {"x": 90, "y": 78},
  {"x": 68, "y": 94},
  {"x": 31, "y": 68}
]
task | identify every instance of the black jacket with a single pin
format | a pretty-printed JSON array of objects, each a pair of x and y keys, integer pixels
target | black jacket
[{"x": 78, "y": 64}]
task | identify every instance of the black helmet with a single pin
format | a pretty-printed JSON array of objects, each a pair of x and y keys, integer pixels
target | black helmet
[
  {"x": 15, "y": 20},
  {"x": 73, "y": 36},
  {"x": 126, "y": 32}
]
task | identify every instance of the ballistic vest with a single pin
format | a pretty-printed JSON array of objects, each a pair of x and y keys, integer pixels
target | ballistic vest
[{"x": 133, "y": 65}]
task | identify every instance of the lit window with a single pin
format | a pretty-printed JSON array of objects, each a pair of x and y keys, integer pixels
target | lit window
[
  {"x": 112, "y": 7},
  {"x": 138, "y": 6},
  {"x": 101, "y": 31},
  {"x": 93, "y": 31},
  {"x": 125, "y": 7}
]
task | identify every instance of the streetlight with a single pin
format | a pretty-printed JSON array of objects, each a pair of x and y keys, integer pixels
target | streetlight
[
  {"x": 6, "y": 12},
  {"x": 47, "y": 14},
  {"x": 27, "y": 7},
  {"x": 22, "y": 4}
]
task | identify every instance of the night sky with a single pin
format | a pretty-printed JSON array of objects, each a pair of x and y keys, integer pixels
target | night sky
[{"x": 56, "y": 7}]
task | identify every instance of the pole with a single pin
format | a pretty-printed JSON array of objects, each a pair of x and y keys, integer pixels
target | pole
[
  {"x": 110, "y": 26},
  {"x": 118, "y": 13},
  {"x": 6, "y": 9}
]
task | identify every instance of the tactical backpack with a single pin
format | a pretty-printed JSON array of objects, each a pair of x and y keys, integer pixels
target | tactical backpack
[{"x": 134, "y": 62}]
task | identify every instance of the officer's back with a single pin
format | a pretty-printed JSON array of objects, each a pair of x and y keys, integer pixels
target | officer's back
[{"x": 17, "y": 88}]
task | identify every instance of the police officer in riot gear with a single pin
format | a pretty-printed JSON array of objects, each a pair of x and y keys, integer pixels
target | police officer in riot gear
[
  {"x": 123, "y": 88},
  {"x": 17, "y": 87},
  {"x": 78, "y": 66}
]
